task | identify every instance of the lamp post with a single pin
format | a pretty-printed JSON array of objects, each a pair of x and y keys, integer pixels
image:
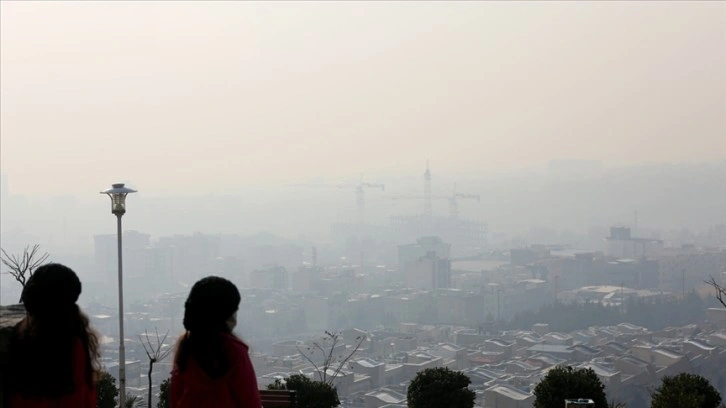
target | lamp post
[{"x": 118, "y": 194}]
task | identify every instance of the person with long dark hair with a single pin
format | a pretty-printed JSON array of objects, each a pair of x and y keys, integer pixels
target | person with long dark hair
[
  {"x": 53, "y": 352},
  {"x": 212, "y": 367}
]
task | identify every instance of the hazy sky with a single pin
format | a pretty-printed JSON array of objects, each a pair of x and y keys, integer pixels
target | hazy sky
[{"x": 224, "y": 94}]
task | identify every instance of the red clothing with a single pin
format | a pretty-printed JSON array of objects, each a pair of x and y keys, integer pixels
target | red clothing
[
  {"x": 192, "y": 388},
  {"x": 84, "y": 395}
]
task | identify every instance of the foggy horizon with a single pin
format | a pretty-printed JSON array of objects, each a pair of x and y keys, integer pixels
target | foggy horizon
[
  {"x": 214, "y": 112},
  {"x": 258, "y": 94}
]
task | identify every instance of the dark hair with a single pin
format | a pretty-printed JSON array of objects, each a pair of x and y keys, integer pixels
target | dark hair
[
  {"x": 41, "y": 347},
  {"x": 211, "y": 302}
]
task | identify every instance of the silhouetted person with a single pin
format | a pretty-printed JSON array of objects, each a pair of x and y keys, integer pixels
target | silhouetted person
[
  {"x": 53, "y": 353},
  {"x": 212, "y": 367}
]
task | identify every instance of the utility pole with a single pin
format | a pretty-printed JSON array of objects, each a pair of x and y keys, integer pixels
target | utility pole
[{"x": 499, "y": 315}]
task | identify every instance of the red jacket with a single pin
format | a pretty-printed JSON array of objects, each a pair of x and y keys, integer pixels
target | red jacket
[
  {"x": 84, "y": 396},
  {"x": 192, "y": 388}
]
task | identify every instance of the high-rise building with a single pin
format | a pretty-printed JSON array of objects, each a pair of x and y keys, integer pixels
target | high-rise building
[{"x": 428, "y": 272}]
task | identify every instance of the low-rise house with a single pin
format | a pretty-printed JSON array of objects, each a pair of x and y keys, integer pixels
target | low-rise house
[
  {"x": 584, "y": 353},
  {"x": 557, "y": 350},
  {"x": 384, "y": 397},
  {"x": 504, "y": 396},
  {"x": 558, "y": 338},
  {"x": 698, "y": 347}
]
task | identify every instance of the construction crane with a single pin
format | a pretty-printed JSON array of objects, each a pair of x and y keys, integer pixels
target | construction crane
[
  {"x": 359, "y": 193},
  {"x": 453, "y": 200},
  {"x": 427, "y": 192},
  {"x": 454, "y": 204}
]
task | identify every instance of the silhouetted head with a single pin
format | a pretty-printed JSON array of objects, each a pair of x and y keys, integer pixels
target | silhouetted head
[
  {"x": 209, "y": 316},
  {"x": 53, "y": 288},
  {"x": 41, "y": 347},
  {"x": 211, "y": 303}
]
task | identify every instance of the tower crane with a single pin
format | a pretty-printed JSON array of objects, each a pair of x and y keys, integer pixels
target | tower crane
[
  {"x": 359, "y": 189},
  {"x": 454, "y": 204},
  {"x": 453, "y": 200}
]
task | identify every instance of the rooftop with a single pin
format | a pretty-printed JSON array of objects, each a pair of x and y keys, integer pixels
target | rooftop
[
  {"x": 510, "y": 392},
  {"x": 388, "y": 396},
  {"x": 551, "y": 348}
]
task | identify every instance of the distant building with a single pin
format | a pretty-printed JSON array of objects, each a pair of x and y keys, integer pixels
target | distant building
[
  {"x": 639, "y": 274},
  {"x": 232, "y": 268},
  {"x": 191, "y": 256},
  {"x": 105, "y": 252},
  {"x": 682, "y": 269},
  {"x": 610, "y": 295},
  {"x": 522, "y": 256},
  {"x": 274, "y": 277},
  {"x": 593, "y": 269},
  {"x": 303, "y": 279},
  {"x": 422, "y": 247},
  {"x": 621, "y": 244},
  {"x": 428, "y": 272},
  {"x": 317, "y": 312}
]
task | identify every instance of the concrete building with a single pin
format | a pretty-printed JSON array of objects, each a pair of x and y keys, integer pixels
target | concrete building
[
  {"x": 428, "y": 272},
  {"x": 620, "y": 244},
  {"x": 423, "y": 246},
  {"x": 682, "y": 269}
]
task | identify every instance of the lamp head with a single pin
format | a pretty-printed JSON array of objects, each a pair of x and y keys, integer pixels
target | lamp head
[{"x": 118, "y": 193}]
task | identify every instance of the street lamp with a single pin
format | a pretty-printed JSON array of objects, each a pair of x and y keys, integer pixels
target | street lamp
[{"x": 118, "y": 193}]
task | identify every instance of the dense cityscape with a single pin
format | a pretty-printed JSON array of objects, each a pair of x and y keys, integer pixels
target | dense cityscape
[
  {"x": 633, "y": 309},
  {"x": 362, "y": 204}
]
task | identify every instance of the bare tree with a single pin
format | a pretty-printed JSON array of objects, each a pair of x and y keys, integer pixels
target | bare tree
[
  {"x": 326, "y": 348},
  {"x": 155, "y": 352},
  {"x": 720, "y": 291},
  {"x": 21, "y": 267},
  {"x": 134, "y": 401}
]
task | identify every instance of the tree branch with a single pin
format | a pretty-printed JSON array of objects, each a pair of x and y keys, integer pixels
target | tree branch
[
  {"x": 720, "y": 291},
  {"x": 329, "y": 359},
  {"x": 310, "y": 361},
  {"x": 360, "y": 339},
  {"x": 21, "y": 267},
  {"x": 154, "y": 353}
]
